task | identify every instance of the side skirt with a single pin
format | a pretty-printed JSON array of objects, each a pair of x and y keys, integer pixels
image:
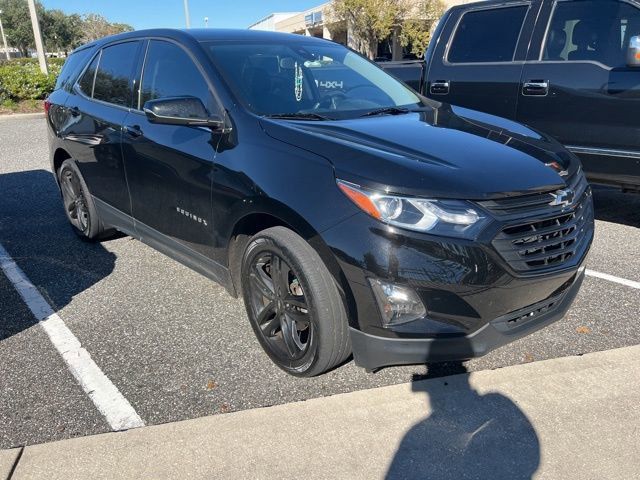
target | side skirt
[{"x": 168, "y": 246}]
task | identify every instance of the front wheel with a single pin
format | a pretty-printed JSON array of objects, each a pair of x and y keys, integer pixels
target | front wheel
[{"x": 293, "y": 304}]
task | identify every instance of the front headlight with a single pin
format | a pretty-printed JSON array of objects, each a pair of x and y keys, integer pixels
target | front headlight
[{"x": 455, "y": 218}]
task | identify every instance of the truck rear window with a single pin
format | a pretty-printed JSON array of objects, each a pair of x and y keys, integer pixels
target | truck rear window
[{"x": 489, "y": 35}]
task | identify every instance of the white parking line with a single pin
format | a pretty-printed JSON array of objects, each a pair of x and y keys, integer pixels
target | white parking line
[
  {"x": 105, "y": 395},
  {"x": 611, "y": 278}
]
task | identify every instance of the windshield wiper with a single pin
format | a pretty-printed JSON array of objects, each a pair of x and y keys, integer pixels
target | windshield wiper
[
  {"x": 387, "y": 111},
  {"x": 298, "y": 116}
]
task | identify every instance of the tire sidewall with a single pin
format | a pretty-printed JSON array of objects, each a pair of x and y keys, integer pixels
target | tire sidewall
[{"x": 258, "y": 246}]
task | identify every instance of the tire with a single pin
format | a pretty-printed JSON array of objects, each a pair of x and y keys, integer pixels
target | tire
[
  {"x": 293, "y": 304},
  {"x": 78, "y": 203}
]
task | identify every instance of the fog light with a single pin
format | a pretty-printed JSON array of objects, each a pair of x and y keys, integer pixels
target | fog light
[{"x": 397, "y": 304}]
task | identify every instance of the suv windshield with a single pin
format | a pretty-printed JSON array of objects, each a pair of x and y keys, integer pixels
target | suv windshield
[{"x": 309, "y": 81}]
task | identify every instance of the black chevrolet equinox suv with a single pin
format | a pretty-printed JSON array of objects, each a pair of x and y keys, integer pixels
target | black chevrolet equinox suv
[{"x": 352, "y": 214}]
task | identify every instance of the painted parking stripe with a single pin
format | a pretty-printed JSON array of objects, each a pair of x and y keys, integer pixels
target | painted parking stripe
[
  {"x": 611, "y": 278},
  {"x": 105, "y": 395}
]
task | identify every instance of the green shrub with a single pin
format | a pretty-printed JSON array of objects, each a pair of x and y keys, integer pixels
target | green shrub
[
  {"x": 7, "y": 103},
  {"x": 21, "y": 79},
  {"x": 28, "y": 61}
]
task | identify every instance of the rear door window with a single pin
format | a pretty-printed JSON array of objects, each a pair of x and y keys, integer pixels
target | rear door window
[
  {"x": 488, "y": 35},
  {"x": 114, "y": 79},
  {"x": 170, "y": 72},
  {"x": 591, "y": 31}
]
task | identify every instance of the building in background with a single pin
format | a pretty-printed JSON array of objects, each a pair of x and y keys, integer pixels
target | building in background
[
  {"x": 13, "y": 53},
  {"x": 269, "y": 22},
  {"x": 315, "y": 22}
]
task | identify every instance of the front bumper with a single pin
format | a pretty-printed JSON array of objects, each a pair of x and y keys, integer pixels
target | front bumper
[
  {"x": 520, "y": 274},
  {"x": 372, "y": 352}
]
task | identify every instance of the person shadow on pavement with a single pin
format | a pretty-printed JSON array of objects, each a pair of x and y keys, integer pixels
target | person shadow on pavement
[{"x": 467, "y": 435}]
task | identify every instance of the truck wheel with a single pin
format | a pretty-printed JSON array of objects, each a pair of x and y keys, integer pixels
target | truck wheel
[
  {"x": 78, "y": 204},
  {"x": 293, "y": 304}
]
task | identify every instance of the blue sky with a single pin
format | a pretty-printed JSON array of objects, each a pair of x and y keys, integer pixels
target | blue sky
[{"x": 170, "y": 13}]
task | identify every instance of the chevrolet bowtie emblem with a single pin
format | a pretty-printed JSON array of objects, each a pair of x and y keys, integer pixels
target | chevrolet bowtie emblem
[{"x": 562, "y": 198}]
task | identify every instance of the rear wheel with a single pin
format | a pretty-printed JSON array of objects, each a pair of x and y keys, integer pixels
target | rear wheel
[
  {"x": 78, "y": 204},
  {"x": 293, "y": 304}
]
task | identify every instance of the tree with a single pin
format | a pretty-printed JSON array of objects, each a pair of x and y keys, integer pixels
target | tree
[
  {"x": 61, "y": 32},
  {"x": 417, "y": 24},
  {"x": 368, "y": 21},
  {"x": 95, "y": 26},
  {"x": 17, "y": 24}
]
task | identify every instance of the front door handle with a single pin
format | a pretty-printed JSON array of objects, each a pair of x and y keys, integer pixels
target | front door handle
[
  {"x": 440, "y": 87},
  {"x": 535, "y": 88},
  {"x": 133, "y": 130}
]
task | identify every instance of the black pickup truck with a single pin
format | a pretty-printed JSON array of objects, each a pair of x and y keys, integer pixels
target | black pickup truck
[{"x": 569, "y": 68}]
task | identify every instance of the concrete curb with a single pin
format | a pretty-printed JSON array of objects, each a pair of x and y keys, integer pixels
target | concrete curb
[
  {"x": 568, "y": 418},
  {"x": 8, "y": 459},
  {"x": 16, "y": 116}
]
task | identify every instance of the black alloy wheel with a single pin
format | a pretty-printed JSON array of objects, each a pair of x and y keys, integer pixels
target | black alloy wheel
[
  {"x": 293, "y": 304},
  {"x": 280, "y": 307},
  {"x": 75, "y": 202},
  {"x": 78, "y": 204}
]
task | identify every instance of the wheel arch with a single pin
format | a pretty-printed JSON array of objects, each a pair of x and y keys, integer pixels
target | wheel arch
[
  {"x": 59, "y": 156},
  {"x": 254, "y": 222}
]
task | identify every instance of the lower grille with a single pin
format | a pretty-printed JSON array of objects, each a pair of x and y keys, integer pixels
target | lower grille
[
  {"x": 528, "y": 315},
  {"x": 547, "y": 243}
]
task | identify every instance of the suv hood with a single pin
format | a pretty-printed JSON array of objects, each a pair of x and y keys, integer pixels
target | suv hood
[{"x": 445, "y": 152}]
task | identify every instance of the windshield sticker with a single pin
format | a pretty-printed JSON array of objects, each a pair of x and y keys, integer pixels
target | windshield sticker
[
  {"x": 332, "y": 84},
  {"x": 298, "y": 81}
]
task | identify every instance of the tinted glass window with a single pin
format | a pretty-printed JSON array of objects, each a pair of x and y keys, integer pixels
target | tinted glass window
[
  {"x": 308, "y": 78},
  {"x": 72, "y": 66},
  {"x": 114, "y": 82},
  {"x": 592, "y": 31},
  {"x": 86, "y": 82},
  {"x": 487, "y": 35},
  {"x": 169, "y": 72}
]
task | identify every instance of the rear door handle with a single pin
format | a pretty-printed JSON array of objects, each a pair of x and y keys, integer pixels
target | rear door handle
[
  {"x": 535, "y": 88},
  {"x": 133, "y": 130},
  {"x": 440, "y": 87}
]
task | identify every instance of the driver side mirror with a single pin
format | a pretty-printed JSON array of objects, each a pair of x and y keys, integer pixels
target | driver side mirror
[
  {"x": 633, "y": 53},
  {"x": 182, "y": 111}
]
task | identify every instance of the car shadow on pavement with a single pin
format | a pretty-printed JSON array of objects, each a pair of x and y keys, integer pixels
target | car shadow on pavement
[
  {"x": 35, "y": 232},
  {"x": 467, "y": 435},
  {"x": 613, "y": 205}
]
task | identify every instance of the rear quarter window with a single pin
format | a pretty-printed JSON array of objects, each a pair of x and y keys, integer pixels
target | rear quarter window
[
  {"x": 86, "y": 82},
  {"x": 488, "y": 35},
  {"x": 72, "y": 67}
]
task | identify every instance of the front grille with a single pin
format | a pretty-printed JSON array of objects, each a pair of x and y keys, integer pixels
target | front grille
[
  {"x": 525, "y": 204},
  {"x": 550, "y": 242}
]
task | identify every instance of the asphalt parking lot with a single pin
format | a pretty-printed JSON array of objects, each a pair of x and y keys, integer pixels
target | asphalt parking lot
[{"x": 177, "y": 346}]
